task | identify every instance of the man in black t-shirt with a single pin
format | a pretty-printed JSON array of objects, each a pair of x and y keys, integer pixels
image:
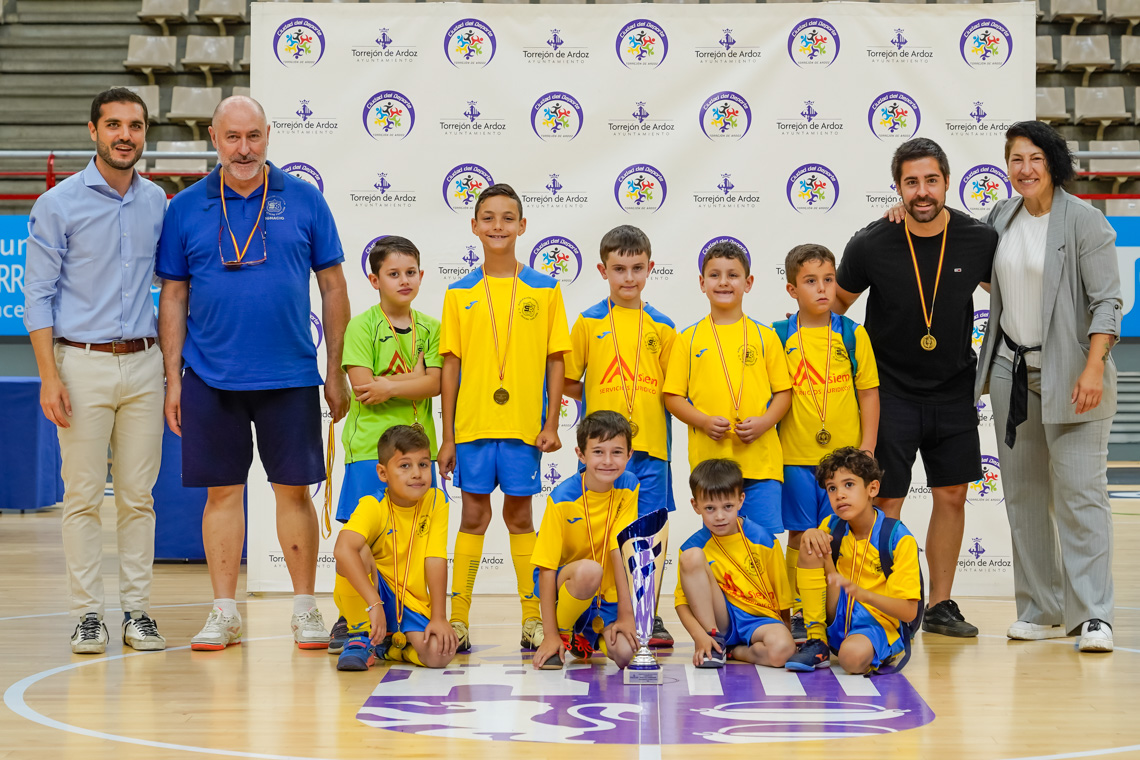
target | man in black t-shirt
[{"x": 922, "y": 276}]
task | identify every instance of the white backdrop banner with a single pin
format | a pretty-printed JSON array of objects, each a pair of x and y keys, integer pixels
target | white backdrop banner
[{"x": 771, "y": 124}]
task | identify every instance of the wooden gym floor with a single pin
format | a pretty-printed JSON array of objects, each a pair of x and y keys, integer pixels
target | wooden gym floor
[{"x": 991, "y": 698}]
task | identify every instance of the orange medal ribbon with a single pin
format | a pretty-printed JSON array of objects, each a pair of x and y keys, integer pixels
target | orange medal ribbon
[
  {"x": 404, "y": 360},
  {"x": 629, "y": 397},
  {"x": 737, "y": 396},
  {"x": 759, "y": 576},
  {"x": 822, "y": 437},
  {"x": 928, "y": 341},
  {"x": 501, "y": 396},
  {"x": 264, "y": 195},
  {"x": 398, "y": 637},
  {"x": 590, "y": 527}
]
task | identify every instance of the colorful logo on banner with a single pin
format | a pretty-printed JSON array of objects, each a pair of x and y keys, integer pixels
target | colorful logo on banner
[
  {"x": 725, "y": 115},
  {"x": 590, "y": 706},
  {"x": 721, "y": 239},
  {"x": 469, "y": 42},
  {"x": 813, "y": 187},
  {"x": 982, "y": 187},
  {"x": 813, "y": 42},
  {"x": 389, "y": 114},
  {"x": 987, "y": 489},
  {"x": 317, "y": 330},
  {"x": 569, "y": 414},
  {"x": 299, "y": 43},
  {"x": 557, "y": 116},
  {"x": 894, "y": 115},
  {"x": 986, "y": 43},
  {"x": 640, "y": 188},
  {"x": 364, "y": 256},
  {"x": 642, "y": 43},
  {"x": 978, "y": 332},
  {"x": 558, "y": 257},
  {"x": 306, "y": 173},
  {"x": 462, "y": 185}
]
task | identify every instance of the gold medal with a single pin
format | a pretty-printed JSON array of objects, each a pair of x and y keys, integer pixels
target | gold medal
[
  {"x": 417, "y": 427},
  {"x": 501, "y": 396},
  {"x": 928, "y": 342},
  {"x": 629, "y": 396},
  {"x": 399, "y": 640},
  {"x": 596, "y": 556},
  {"x": 633, "y": 428},
  {"x": 823, "y": 437}
]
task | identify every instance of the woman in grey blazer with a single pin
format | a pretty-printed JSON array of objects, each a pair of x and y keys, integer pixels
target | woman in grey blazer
[{"x": 1055, "y": 311}]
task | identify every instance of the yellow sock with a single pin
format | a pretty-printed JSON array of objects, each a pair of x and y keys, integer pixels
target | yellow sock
[
  {"x": 409, "y": 655},
  {"x": 468, "y": 555},
  {"x": 569, "y": 609},
  {"x": 792, "y": 559},
  {"x": 813, "y": 592},
  {"x": 522, "y": 546},
  {"x": 351, "y": 606}
]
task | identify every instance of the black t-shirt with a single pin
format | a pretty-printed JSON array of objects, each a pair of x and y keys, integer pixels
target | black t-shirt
[{"x": 877, "y": 257}]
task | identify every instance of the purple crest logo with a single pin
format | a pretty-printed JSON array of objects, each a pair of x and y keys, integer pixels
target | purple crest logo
[
  {"x": 640, "y": 188},
  {"x": 558, "y": 257},
  {"x": 305, "y": 173},
  {"x": 813, "y": 42},
  {"x": 299, "y": 43},
  {"x": 982, "y": 187},
  {"x": 318, "y": 331},
  {"x": 556, "y": 116},
  {"x": 725, "y": 115},
  {"x": 813, "y": 187},
  {"x": 469, "y": 42},
  {"x": 895, "y": 115},
  {"x": 389, "y": 114},
  {"x": 367, "y": 250},
  {"x": 721, "y": 239},
  {"x": 642, "y": 42},
  {"x": 986, "y": 43},
  {"x": 462, "y": 185}
]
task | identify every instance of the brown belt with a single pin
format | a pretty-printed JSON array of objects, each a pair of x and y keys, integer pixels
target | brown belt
[{"x": 115, "y": 346}]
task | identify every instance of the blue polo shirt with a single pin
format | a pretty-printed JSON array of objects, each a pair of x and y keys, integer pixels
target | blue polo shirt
[{"x": 248, "y": 328}]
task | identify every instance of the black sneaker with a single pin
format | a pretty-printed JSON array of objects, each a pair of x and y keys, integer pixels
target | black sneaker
[
  {"x": 338, "y": 636},
  {"x": 945, "y": 618},
  {"x": 660, "y": 638},
  {"x": 799, "y": 630},
  {"x": 716, "y": 659},
  {"x": 813, "y": 654}
]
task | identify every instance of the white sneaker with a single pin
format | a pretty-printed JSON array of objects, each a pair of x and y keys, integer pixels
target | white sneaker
[
  {"x": 219, "y": 632},
  {"x": 1025, "y": 631},
  {"x": 309, "y": 630},
  {"x": 90, "y": 635},
  {"x": 1096, "y": 636},
  {"x": 140, "y": 632}
]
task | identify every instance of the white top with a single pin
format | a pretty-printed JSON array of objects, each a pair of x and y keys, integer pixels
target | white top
[{"x": 1020, "y": 267}]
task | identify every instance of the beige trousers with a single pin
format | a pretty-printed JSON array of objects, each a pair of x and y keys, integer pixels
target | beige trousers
[{"x": 116, "y": 399}]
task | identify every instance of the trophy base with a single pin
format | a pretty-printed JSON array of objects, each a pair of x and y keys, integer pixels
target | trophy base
[{"x": 643, "y": 677}]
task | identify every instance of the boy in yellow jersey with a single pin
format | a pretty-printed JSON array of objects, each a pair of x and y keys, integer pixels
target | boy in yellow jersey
[
  {"x": 732, "y": 593},
  {"x": 728, "y": 381},
  {"x": 861, "y": 603},
  {"x": 401, "y": 588},
  {"x": 504, "y": 333},
  {"x": 621, "y": 345},
  {"x": 579, "y": 575},
  {"x": 391, "y": 354},
  {"x": 835, "y": 395}
]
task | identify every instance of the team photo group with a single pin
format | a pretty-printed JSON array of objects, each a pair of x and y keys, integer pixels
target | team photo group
[{"x": 798, "y": 419}]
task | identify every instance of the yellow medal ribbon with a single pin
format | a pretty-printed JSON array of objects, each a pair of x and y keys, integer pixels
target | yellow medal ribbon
[
  {"x": 822, "y": 437},
  {"x": 590, "y": 529},
  {"x": 501, "y": 396},
  {"x": 330, "y": 456},
  {"x": 737, "y": 396},
  {"x": 264, "y": 195},
  {"x": 398, "y": 637},
  {"x": 928, "y": 341},
  {"x": 759, "y": 576},
  {"x": 629, "y": 397},
  {"x": 857, "y": 567},
  {"x": 404, "y": 360}
]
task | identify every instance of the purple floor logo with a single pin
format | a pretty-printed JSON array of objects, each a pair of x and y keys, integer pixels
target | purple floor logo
[
  {"x": 558, "y": 257},
  {"x": 640, "y": 188},
  {"x": 389, "y": 114},
  {"x": 556, "y": 116},
  {"x": 642, "y": 43},
  {"x": 986, "y": 43},
  {"x": 813, "y": 187},
  {"x": 306, "y": 173},
  {"x": 725, "y": 115},
  {"x": 987, "y": 489},
  {"x": 583, "y": 704},
  {"x": 894, "y": 115},
  {"x": 982, "y": 187},
  {"x": 469, "y": 42},
  {"x": 813, "y": 42},
  {"x": 462, "y": 185},
  {"x": 721, "y": 239},
  {"x": 299, "y": 43}
]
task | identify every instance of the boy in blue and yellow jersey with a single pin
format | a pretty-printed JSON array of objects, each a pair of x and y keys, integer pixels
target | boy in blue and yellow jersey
[
  {"x": 504, "y": 333},
  {"x": 732, "y": 593},
  {"x": 579, "y": 575},
  {"x": 400, "y": 589},
  {"x": 621, "y": 345},
  {"x": 728, "y": 381},
  {"x": 835, "y": 395},
  {"x": 853, "y": 603}
]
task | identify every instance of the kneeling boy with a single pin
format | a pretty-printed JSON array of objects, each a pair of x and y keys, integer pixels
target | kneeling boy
[
  {"x": 853, "y": 603},
  {"x": 732, "y": 592},
  {"x": 579, "y": 577},
  {"x": 406, "y": 533}
]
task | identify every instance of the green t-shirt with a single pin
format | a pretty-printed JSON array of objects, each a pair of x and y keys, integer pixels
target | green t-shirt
[{"x": 368, "y": 343}]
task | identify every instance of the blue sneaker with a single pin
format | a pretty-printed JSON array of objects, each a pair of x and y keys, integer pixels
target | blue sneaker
[
  {"x": 813, "y": 654},
  {"x": 358, "y": 654},
  {"x": 338, "y": 636},
  {"x": 716, "y": 659}
]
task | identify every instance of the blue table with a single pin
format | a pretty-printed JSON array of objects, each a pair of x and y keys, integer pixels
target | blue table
[{"x": 29, "y": 448}]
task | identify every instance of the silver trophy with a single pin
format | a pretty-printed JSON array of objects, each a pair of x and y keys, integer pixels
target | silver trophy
[{"x": 642, "y": 552}]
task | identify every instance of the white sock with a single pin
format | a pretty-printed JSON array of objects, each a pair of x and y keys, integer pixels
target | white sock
[
  {"x": 227, "y": 606},
  {"x": 302, "y": 603}
]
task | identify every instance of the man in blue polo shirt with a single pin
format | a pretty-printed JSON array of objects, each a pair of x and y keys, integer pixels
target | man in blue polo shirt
[{"x": 235, "y": 256}]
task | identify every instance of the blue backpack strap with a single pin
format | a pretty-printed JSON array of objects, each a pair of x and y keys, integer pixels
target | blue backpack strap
[
  {"x": 846, "y": 329},
  {"x": 838, "y": 531},
  {"x": 785, "y": 328},
  {"x": 886, "y": 553}
]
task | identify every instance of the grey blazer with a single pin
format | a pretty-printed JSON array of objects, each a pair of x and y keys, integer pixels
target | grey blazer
[{"x": 1082, "y": 297}]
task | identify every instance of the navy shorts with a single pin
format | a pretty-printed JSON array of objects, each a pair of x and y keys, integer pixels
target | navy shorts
[
  {"x": 805, "y": 504},
  {"x": 946, "y": 434},
  {"x": 217, "y": 434}
]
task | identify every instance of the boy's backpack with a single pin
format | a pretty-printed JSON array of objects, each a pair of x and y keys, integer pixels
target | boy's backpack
[
  {"x": 786, "y": 328},
  {"x": 907, "y": 629}
]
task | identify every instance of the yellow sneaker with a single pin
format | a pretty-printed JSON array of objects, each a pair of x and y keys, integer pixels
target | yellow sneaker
[
  {"x": 532, "y": 634},
  {"x": 464, "y": 635}
]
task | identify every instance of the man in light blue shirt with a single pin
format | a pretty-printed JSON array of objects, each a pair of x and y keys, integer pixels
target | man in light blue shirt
[{"x": 90, "y": 316}]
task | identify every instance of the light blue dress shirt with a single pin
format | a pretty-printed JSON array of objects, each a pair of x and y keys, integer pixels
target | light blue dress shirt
[{"x": 90, "y": 259}]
